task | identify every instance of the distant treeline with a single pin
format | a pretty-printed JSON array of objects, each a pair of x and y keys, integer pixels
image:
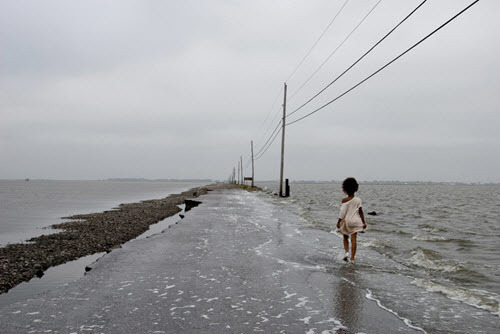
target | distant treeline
[{"x": 156, "y": 180}]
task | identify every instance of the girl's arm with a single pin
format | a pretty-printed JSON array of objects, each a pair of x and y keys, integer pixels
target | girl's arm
[
  {"x": 338, "y": 223},
  {"x": 362, "y": 217}
]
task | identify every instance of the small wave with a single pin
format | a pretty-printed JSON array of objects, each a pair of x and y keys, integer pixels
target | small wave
[
  {"x": 478, "y": 298},
  {"x": 407, "y": 322},
  {"x": 431, "y": 260},
  {"x": 431, "y": 228},
  {"x": 428, "y": 237},
  {"x": 307, "y": 219},
  {"x": 374, "y": 244}
]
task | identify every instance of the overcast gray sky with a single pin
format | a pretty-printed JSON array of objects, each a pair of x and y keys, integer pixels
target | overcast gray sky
[{"x": 177, "y": 89}]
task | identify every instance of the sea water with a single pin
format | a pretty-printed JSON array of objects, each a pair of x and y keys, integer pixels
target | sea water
[
  {"x": 29, "y": 208},
  {"x": 431, "y": 255}
]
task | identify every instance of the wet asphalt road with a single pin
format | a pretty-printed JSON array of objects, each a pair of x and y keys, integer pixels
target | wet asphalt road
[{"x": 234, "y": 264}]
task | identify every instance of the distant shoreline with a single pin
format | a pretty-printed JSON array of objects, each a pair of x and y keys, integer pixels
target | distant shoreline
[
  {"x": 391, "y": 182},
  {"x": 373, "y": 182},
  {"x": 156, "y": 180}
]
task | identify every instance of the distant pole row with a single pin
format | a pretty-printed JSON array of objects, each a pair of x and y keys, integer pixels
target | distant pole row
[{"x": 240, "y": 179}]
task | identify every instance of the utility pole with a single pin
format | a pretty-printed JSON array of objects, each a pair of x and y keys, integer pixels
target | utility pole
[
  {"x": 242, "y": 176},
  {"x": 233, "y": 180},
  {"x": 251, "y": 143},
  {"x": 283, "y": 143},
  {"x": 239, "y": 178}
]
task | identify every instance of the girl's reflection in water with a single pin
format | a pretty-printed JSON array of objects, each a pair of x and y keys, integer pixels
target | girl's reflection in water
[{"x": 349, "y": 297}]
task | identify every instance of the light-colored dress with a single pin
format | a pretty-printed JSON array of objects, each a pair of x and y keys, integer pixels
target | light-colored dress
[{"x": 351, "y": 220}]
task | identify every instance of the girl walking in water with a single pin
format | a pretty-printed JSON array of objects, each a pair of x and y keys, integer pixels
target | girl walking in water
[{"x": 351, "y": 218}]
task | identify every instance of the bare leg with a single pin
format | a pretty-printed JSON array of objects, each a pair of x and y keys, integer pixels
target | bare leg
[
  {"x": 346, "y": 243},
  {"x": 353, "y": 245},
  {"x": 346, "y": 246}
]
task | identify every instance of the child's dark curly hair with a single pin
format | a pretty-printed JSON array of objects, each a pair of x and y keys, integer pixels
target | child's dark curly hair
[{"x": 350, "y": 186}]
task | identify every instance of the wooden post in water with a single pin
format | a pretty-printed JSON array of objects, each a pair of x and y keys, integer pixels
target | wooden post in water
[
  {"x": 251, "y": 143},
  {"x": 283, "y": 143}
]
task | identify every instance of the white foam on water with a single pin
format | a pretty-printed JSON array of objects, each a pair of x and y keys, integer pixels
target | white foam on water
[
  {"x": 372, "y": 243},
  {"x": 181, "y": 307},
  {"x": 406, "y": 321},
  {"x": 478, "y": 298},
  {"x": 303, "y": 301},
  {"x": 420, "y": 259},
  {"x": 428, "y": 237},
  {"x": 305, "y": 320},
  {"x": 258, "y": 248}
]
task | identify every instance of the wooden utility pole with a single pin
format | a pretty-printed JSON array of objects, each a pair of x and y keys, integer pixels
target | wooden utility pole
[
  {"x": 251, "y": 144},
  {"x": 239, "y": 178},
  {"x": 242, "y": 176},
  {"x": 283, "y": 143}
]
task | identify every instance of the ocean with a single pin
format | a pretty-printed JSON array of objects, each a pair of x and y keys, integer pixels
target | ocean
[
  {"x": 28, "y": 208},
  {"x": 431, "y": 254}
]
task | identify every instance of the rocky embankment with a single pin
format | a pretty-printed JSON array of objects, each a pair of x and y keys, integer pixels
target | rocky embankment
[{"x": 87, "y": 234}]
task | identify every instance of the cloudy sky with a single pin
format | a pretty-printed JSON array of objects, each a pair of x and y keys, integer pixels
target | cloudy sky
[{"x": 177, "y": 89}]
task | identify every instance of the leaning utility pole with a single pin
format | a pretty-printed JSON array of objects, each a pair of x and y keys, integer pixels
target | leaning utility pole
[
  {"x": 238, "y": 181},
  {"x": 283, "y": 143},
  {"x": 251, "y": 143}
]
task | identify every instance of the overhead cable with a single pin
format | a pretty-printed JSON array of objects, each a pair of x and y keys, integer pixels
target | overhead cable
[
  {"x": 385, "y": 66},
  {"x": 276, "y": 128},
  {"x": 269, "y": 113},
  {"x": 264, "y": 146},
  {"x": 295, "y": 70},
  {"x": 260, "y": 156},
  {"x": 317, "y": 41},
  {"x": 331, "y": 55}
]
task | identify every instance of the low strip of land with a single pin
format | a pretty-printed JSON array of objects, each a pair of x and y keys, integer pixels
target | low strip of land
[{"x": 87, "y": 234}]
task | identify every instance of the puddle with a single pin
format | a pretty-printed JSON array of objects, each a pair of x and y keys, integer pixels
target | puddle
[
  {"x": 52, "y": 278},
  {"x": 73, "y": 270},
  {"x": 162, "y": 225}
]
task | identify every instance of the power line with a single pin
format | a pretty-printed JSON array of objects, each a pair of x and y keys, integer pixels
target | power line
[
  {"x": 276, "y": 128},
  {"x": 317, "y": 41},
  {"x": 277, "y": 133},
  {"x": 334, "y": 51},
  {"x": 270, "y": 124},
  {"x": 385, "y": 66},
  {"x": 269, "y": 113},
  {"x": 263, "y": 146},
  {"x": 293, "y": 72}
]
